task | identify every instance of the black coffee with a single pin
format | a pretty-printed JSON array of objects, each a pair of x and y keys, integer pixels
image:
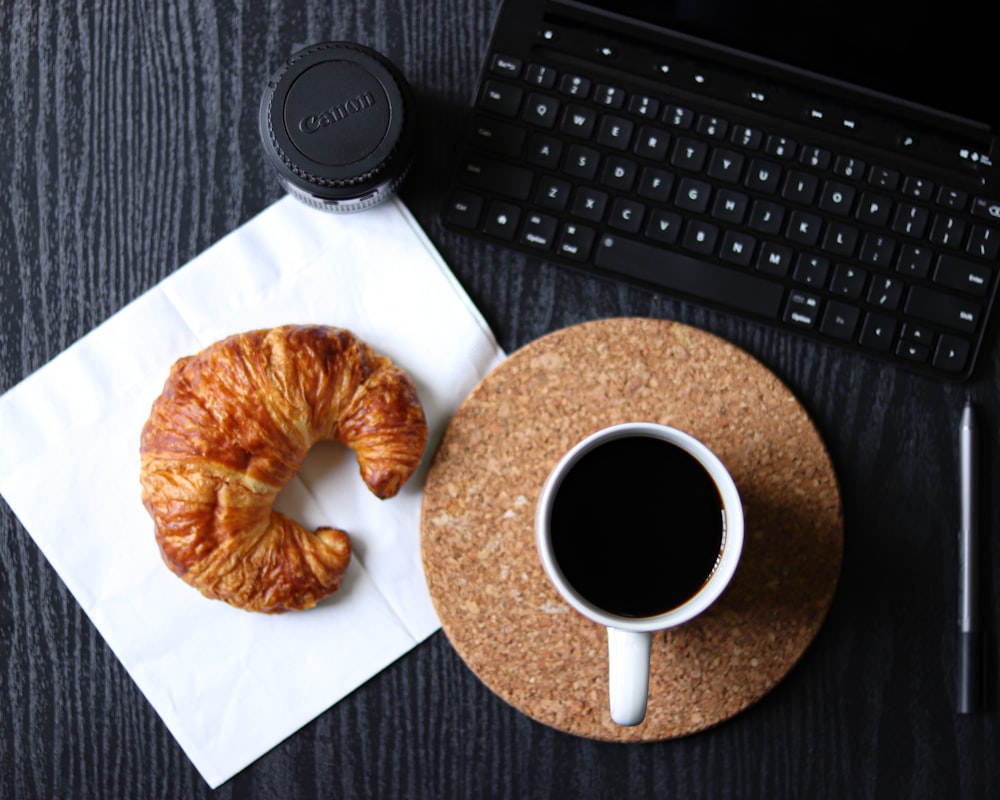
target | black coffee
[{"x": 637, "y": 526}]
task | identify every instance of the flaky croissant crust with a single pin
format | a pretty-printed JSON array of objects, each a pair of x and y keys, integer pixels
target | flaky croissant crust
[{"x": 234, "y": 424}]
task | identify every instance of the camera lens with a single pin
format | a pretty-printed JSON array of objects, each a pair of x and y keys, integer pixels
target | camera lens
[{"x": 337, "y": 125}]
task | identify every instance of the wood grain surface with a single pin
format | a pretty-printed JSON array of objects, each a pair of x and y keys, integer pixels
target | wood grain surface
[{"x": 131, "y": 144}]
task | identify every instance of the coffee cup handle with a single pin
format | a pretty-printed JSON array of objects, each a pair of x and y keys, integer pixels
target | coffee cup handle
[{"x": 628, "y": 675}]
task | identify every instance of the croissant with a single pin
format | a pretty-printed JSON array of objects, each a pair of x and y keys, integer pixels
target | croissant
[{"x": 233, "y": 426}]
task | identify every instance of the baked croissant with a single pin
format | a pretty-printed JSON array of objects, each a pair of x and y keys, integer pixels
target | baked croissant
[{"x": 233, "y": 426}]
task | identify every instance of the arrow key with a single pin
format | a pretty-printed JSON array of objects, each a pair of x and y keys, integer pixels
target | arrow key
[
  {"x": 951, "y": 353},
  {"x": 878, "y": 332}
]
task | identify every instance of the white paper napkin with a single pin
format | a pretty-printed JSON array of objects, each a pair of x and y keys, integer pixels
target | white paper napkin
[{"x": 230, "y": 684}]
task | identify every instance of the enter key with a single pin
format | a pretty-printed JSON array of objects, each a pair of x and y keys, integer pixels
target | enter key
[{"x": 963, "y": 276}]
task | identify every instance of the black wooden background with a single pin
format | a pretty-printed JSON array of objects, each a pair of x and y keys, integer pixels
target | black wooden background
[{"x": 130, "y": 144}]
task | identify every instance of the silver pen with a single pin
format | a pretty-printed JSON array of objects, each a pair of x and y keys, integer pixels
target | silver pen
[{"x": 970, "y": 647}]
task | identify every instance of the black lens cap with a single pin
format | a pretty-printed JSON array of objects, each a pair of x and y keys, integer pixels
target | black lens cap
[{"x": 337, "y": 124}]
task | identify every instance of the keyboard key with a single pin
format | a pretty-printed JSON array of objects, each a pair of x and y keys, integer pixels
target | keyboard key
[
  {"x": 837, "y": 198},
  {"x": 941, "y": 309},
  {"x": 678, "y": 117},
  {"x": 848, "y": 166},
  {"x": 840, "y": 239},
  {"x": 955, "y": 199},
  {"x": 539, "y": 231},
  {"x": 652, "y": 143},
  {"x": 800, "y": 187},
  {"x": 663, "y": 226},
  {"x": 874, "y": 209},
  {"x": 644, "y": 106},
  {"x": 988, "y": 209},
  {"x": 951, "y": 354},
  {"x": 802, "y": 309},
  {"x": 581, "y": 162},
  {"x": 506, "y": 65},
  {"x": 947, "y": 230},
  {"x": 615, "y": 132},
  {"x": 780, "y": 147},
  {"x": 848, "y": 281},
  {"x": 552, "y": 193},
  {"x": 541, "y": 76},
  {"x": 700, "y": 237},
  {"x": 541, "y": 110},
  {"x": 575, "y": 241},
  {"x": 589, "y": 203},
  {"x": 689, "y": 154},
  {"x": 914, "y": 261},
  {"x": 690, "y": 276},
  {"x": 766, "y": 217},
  {"x": 575, "y": 86},
  {"x": 918, "y": 188},
  {"x": 726, "y": 165},
  {"x": 774, "y": 259},
  {"x": 803, "y": 228},
  {"x": 502, "y": 220},
  {"x": 910, "y": 220},
  {"x": 878, "y": 331},
  {"x": 655, "y": 184},
  {"x": 500, "y": 177},
  {"x": 840, "y": 321},
  {"x": 737, "y": 248},
  {"x": 815, "y": 157},
  {"x": 497, "y": 136},
  {"x": 883, "y": 177},
  {"x": 711, "y": 126},
  {"x": 692, "y": 195},
  {"x": 501, "y": 98},
  {"x": 578, "y": 121},
  {"x": 763, "y": 176},
  {"x": 730, "y": 206},
  {"x": 983, "y": 242},
  {"x": 965, "y": 276},
  {"x": 911, "y": 351},
  {"x": 917, "y": 333},
  {"x": 543, "y": 150},
  {"x": 745, "y": 136},
  {"x": 811, "y": 270},
  {"x": 885, "y": 292},
  {"x": 464, "y": 209},
  {"x": 609, "y": 96},
  {"x": 877, "y": 250},
  {"x": 619, "y": 173},
  {"x": 626, "y": 215}
]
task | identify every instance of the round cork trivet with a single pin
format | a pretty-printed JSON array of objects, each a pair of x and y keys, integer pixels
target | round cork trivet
[{"x": 477, "y": 526}]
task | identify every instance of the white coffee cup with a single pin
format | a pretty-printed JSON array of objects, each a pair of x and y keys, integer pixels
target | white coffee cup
[{"x": 639, "y": 528}]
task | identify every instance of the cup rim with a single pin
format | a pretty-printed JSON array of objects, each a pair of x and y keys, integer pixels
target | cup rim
[{"x": 730, "y": 549}]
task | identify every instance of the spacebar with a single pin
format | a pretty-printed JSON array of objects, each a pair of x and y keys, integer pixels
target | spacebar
[{"x": 679, "y": 273}]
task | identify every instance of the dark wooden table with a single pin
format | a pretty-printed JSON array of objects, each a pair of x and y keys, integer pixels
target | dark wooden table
[{"x": 131, "y": 144}]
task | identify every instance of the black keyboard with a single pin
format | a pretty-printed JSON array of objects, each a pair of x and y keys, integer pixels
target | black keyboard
[{"x": 636, "y": 180}]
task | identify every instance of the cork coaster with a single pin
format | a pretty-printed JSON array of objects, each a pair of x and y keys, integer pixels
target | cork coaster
[{"x": 477, "y": 526}]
